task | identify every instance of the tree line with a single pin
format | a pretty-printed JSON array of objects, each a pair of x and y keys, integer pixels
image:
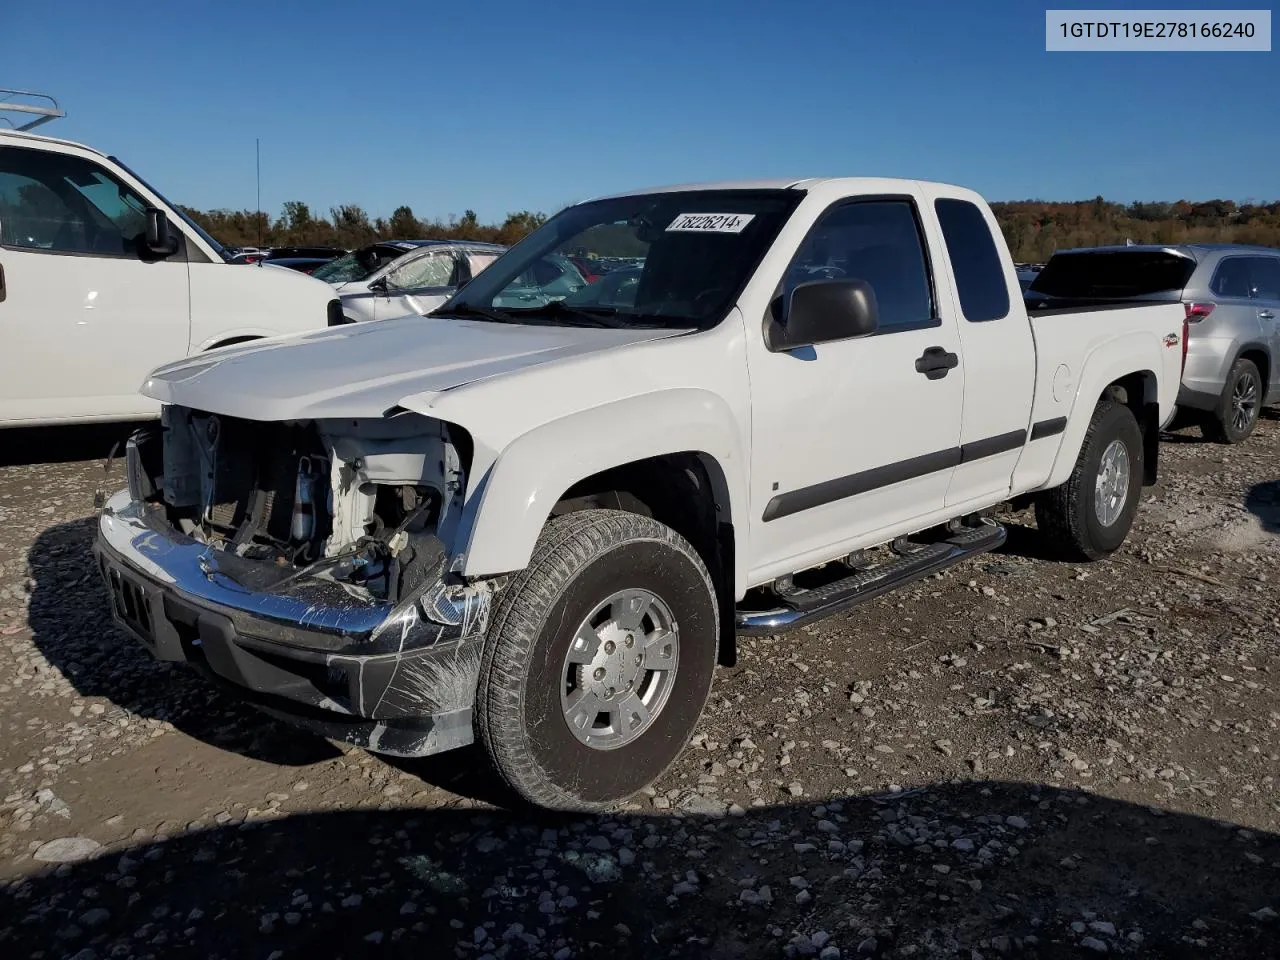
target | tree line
[
  {"x": 349, "y": 226},
  {"x": 1034, "y": 229}
]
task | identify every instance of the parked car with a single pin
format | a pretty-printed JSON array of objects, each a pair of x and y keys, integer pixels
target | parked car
[
  {"x": 616, "y": 288},
  {"x": 1231, "y": 295},
  {"x": 394, "y": 278},
  {"x": 549, "y": 278},
  {"x": 301, "y": 264},
  {"x": 540, "y": 526},
  {"x": 590, "y": 268},
  {"x": 102, "y": 279},
  {"x": 317, "y": 253},
  {"x": 1026, "y": 274}
]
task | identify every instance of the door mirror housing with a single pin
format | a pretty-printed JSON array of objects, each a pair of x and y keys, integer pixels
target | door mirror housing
[
  {"x": 379, "y": 286},
  {"x": 159, "y": 240},
  {"x": 823, "y": 311}
]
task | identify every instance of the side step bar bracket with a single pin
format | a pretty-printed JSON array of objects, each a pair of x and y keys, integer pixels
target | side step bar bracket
[{"x": 806, "y": 606}]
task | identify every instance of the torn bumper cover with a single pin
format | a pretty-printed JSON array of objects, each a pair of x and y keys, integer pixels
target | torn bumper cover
[{"x": 393, "y": 678}]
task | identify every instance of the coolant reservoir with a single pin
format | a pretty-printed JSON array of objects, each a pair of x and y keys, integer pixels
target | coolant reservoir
[{"x": 303, "y": 525}]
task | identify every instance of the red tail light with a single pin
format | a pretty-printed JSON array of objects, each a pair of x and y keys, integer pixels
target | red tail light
[{"x": 1197, "y": 311}]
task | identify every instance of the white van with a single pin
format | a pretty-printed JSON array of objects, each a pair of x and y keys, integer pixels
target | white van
[{"x": 102, "y": 279}]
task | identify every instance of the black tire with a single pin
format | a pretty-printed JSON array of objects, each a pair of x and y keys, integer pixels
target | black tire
[
  {"x": 1067, "y": 515},
  {"x": 582, "y": 559},
  {"x": 1237, "y": 412}
]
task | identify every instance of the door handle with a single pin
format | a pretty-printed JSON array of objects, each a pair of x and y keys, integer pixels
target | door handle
[
  {"x": 1266, "y": 315},
  {"x": 3, "y": 292},
  {"x": 935, "y": 362}
]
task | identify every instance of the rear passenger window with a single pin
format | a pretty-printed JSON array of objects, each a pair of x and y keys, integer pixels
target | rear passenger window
[
  {"x": 1266, "y": 278},
  {"x": 980, "y": 280},
  {"x": 1231, "y": 279},
  {"x": 877, "y": 241}
]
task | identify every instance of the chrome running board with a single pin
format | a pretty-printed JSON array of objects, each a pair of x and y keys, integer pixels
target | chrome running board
[{"x": 804, "y": 606}]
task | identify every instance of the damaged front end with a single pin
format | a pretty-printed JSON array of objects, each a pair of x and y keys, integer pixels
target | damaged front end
[{"x": 306, "y": 564}]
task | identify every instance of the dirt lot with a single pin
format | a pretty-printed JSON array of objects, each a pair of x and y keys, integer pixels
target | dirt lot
[{"x": 1018, "y": 758}]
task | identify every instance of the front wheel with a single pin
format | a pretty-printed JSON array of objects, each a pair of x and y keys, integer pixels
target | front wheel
[
  {"x": 1089, "y": 516},
  {"x": 598, "y": 661}
]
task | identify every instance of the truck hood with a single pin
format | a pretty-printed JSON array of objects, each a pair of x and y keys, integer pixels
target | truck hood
[{"x": 363, "y": 370}]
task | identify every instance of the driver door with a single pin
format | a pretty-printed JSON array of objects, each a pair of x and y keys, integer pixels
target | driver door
[
  {"x": 419, "y": 285},
  {"x": 854, "y": 439},
  {"x": 85, "y": 317}
]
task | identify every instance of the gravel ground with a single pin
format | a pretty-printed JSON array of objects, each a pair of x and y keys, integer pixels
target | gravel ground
[{"x": 1020, "y": 757}]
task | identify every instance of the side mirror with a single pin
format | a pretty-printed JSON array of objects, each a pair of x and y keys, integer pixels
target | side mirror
[
  {"x": 160, "y": 241},
  {"x": 822, "y": 311},
  {"x": 379, "y": 285}
]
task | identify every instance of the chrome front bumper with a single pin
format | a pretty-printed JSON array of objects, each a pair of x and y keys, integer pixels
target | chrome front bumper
[{"x": 395, "y": 678}]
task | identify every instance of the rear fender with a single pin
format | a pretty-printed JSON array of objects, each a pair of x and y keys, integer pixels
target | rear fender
[
  {"x": 1138, "y": 352},
  {"x": 503, "y": 518}
]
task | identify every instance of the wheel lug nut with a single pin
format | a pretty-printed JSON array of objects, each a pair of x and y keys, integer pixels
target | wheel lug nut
[
  {"x": 631, "y": 640},
  {"x": 609, "y": 646},
  {"x": 599, "y": 674},
  {"x": 639, "y": 659}
]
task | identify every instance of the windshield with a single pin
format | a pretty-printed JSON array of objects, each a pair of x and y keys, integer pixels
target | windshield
[
  {"x": 342, "y": 270},
  {"x": 358, "y": 264},
  {"x": 195, "y": 228},
  {"x": 681, "y": 259}
]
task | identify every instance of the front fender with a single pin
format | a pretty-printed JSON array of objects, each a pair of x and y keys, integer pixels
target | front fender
[
  {"x": 501, "y": 523},
  {"x": 1137, "y": 352}
]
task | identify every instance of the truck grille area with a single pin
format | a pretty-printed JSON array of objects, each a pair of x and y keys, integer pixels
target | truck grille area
[{"x": 250, "y": 486}]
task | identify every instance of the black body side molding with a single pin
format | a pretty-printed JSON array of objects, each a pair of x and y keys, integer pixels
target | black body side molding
[
  {"x": 1048, "y": 428},
  {"x": 840, "y": 488}
]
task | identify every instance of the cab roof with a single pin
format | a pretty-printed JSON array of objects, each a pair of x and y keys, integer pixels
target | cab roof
[
  {"x": 868, "y": 184},
  {"x": 38, "y": 138}
]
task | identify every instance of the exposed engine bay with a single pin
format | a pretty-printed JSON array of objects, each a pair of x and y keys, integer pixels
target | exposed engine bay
[{"x": 370, "y": 504}]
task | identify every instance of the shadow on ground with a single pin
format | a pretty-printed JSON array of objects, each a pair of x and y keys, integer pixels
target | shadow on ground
[
  {"x": 1263, "y": 501},
  {"x": 71, "y": 624},
  {"x": 971, "y": 870},
  {"x": 63, "y": 444},
  {"x": 1024, "y": 540}
]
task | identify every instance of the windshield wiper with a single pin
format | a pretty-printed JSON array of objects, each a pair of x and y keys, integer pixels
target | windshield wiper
[
  {"x": 470, "y": 309},
  {"x": 584, "y": 316}
]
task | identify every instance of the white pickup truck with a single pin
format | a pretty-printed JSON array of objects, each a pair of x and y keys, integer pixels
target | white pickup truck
[
  {"x": 102, "y": 279},
  {"x": 541, "y": 528}
]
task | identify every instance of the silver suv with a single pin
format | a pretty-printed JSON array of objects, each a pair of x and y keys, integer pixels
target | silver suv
[{"x": 1232, "y": 298}]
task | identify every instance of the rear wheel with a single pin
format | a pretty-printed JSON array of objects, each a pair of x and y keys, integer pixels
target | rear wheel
[
  {"x": 598, "y": 661},
  {"x": 1239, "y": 405},
  {"x": 1089, "y": 516}
]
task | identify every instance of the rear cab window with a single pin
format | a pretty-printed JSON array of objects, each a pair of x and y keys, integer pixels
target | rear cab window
[{"x": 975, "y": 261}]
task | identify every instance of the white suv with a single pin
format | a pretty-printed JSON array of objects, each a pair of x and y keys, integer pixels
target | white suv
[{"x": 101, "y": 279}]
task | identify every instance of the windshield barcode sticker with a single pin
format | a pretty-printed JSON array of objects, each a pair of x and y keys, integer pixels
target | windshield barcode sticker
[{"x": 710, "y": 222}]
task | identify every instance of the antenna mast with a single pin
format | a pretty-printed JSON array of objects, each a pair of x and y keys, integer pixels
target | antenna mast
[{"x": 257, "y": 159}]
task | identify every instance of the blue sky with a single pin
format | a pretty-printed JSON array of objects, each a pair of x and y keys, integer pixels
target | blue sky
[{"x": 503, "y": 106}]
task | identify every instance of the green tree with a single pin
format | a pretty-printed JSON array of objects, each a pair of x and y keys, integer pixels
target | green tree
[{"x": 404, "y": 224}]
